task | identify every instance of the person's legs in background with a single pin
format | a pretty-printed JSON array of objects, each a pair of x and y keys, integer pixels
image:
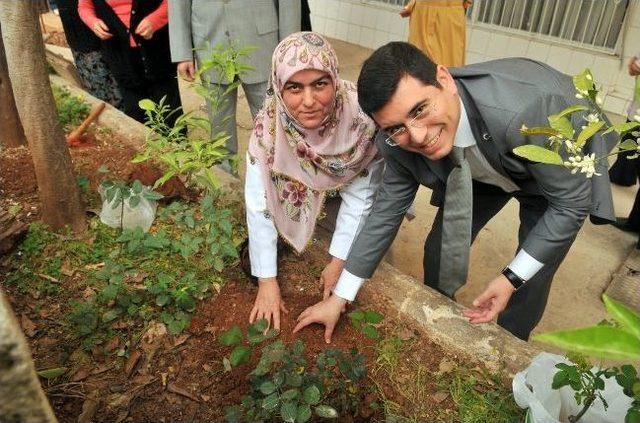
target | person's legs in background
[{"x": 96, "y": 77}]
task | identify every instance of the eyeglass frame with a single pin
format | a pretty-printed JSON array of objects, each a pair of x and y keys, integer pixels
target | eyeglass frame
[{"x": 426, "y": 109}]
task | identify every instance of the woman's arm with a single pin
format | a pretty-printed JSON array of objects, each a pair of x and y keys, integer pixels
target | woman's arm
[
  {"x": 159, "y": 17},
  {"x": 263, "y": 236},
  {"x": 87, "y": 12}
]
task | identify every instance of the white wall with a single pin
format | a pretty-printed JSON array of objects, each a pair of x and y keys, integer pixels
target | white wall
[{"x": 372, "y": 25}]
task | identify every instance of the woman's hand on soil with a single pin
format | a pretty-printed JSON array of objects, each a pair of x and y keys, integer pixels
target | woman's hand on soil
[
  {"x": 268, "y": 303},
  {"x": 101, "y": 30},
  {"x": 326, "y": 312},
  {"x": 329, "y": 276},
  {"x": 491, "y": 302},
  {"x": 145, "y": 29}
]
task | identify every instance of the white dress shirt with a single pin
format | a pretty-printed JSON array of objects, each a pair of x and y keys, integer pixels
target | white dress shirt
[
  {"x": 357, "y": 199},
  {"x": 523, "y": 265}
]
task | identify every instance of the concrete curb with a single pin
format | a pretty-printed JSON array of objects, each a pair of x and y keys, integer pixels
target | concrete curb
[{"x": 442, "y": 319}]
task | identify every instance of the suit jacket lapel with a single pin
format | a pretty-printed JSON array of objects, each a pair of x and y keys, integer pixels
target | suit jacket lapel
[{"x": 484, "y": 140}]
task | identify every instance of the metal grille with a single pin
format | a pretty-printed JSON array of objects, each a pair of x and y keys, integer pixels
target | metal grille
[{"x": 594, "y": 23}]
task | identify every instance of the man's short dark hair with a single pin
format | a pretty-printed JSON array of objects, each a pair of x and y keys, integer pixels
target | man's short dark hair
[{"x": 384, "y": 69}]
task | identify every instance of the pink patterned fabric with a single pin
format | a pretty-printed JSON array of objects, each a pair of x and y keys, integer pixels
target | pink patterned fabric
[{"x": 300, "y": 165}]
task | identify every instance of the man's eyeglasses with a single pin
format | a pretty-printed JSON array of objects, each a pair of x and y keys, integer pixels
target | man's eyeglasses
[{"x": 418, "y": 121}]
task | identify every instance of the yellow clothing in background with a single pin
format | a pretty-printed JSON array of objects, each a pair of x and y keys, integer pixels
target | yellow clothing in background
[{"x": 438, "y": 28}]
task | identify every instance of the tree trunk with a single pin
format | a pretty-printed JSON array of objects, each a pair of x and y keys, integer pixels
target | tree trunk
[
  {"x": 11, "y": 133},
  {"x": 57, "y": 189},
  {"x": 22, "y": 397}
]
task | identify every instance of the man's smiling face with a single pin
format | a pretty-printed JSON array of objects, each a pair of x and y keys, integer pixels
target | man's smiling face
[{"x": 422, "y": 118}]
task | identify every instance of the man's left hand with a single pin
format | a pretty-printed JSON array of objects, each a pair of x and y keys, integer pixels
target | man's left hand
[{"x": 491, "y": 302}]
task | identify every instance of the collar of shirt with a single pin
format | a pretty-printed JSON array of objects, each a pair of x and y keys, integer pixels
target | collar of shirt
[{"x": 464, "y": 136}]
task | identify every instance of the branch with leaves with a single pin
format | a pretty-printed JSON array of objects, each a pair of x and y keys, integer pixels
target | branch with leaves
[{"x": 565, "y": 146}]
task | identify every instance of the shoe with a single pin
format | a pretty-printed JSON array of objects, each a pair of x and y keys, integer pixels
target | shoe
[{"x": 624, "y": 225}]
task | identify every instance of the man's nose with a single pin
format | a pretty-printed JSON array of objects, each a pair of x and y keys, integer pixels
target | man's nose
[{"x": 416, "y": 134}]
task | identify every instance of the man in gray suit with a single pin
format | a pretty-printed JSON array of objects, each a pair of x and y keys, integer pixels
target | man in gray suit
[
  {"x": 454, "y": 132},
  {"x": 258, "y": 23}
]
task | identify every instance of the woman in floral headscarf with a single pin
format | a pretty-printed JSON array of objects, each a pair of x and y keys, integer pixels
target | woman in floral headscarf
[{"x": 309, "y": 138}]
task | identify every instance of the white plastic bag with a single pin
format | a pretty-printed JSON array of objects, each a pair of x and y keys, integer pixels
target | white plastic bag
[
  {"x": 532, "y": 389},
  {"x": 142, "y": 215}
]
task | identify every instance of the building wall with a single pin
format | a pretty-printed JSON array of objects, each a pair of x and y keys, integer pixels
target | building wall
[{"x": 371, "y": 25}]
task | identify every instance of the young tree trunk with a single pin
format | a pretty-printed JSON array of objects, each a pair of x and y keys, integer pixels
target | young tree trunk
[
  {"x": 11, "y": 133},
  {"x": 22, "y": 397},
  {"x": 57, "y": 189}
]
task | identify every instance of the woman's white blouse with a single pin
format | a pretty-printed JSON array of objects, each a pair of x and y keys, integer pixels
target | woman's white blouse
[{"x": 357, "y": 199}]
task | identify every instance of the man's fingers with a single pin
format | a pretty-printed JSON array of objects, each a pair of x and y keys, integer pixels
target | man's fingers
[
  {"x": 283, "y": 308},
  {"x": 252, "y": 316},
  {"x": 328, "y": 331},
  {"x": 304, "y": 314},
  {"x": 487, "y": 295},
  {"x": 301, "y": 324},
  {"x": 276, "y": 320}
]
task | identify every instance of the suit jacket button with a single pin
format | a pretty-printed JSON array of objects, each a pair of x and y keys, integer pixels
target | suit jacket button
[{"x": 486, "y": 137}]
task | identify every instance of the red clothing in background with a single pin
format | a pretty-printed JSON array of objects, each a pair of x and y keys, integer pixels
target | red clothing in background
[{"x": 122, "y": 8}]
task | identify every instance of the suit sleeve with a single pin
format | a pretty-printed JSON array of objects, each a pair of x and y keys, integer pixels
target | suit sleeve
[
  {"x": 180, "y": 37},
  {"x": 395, "y": 196},
  {"x": 289, "y": 18},
  {"x": 568, "y": 196}
]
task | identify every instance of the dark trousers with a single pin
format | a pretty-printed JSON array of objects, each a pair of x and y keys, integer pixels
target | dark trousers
[
  {"x": 526, "y": 306},
  {"x": 626, "y": 172},
  {"x": 152, "y": 88}
]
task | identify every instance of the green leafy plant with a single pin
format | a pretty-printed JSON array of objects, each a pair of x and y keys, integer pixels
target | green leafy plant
[
  {"x": 117, "y": 193},
  {"x": 72, "y": 109},
  {"x": 618, "y": 339},
  {"x": 285, "y": 388},
  {"x": 364, "y": 320},
  {"x": 565, "y": 146},
  {"x": 241, "y": 353},
  {"x": 191, "y": 147}
]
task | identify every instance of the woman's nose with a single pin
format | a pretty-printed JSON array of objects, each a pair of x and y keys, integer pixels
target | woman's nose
[{"x": 307, "y": 98}]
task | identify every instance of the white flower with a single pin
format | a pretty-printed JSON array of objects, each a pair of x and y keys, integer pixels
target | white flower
[
  {"x": 589, "y": 77},
  {"x": 592, "y": 118},
  {"x": 599, "y": 101},
  {"x": 524, "y": 127},
  {"x": 579, "y": 96},
  {"x": 636, "y": 118},
  {"x": 583, "y": 164}
]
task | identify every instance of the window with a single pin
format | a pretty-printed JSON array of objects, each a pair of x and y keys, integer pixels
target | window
[{"x": 594, "y": 23}]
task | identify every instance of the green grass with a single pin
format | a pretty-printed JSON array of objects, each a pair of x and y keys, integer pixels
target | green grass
[{"x": 481, "y": 397}]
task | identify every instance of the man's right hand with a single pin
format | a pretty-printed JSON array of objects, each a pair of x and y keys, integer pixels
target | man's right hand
[
  {"x": 326, "y": 312},
  {"x": 187, "y": 70},
  {"x": 634, "y": 66},
  {"x": 405, "y": 13},
  {"x": 101, "y": 30}
]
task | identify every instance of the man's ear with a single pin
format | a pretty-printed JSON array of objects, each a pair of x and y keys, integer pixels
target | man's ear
[{"x": 445, "y": 79}]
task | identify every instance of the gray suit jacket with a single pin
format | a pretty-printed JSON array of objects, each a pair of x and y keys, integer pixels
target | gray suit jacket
[
  {"x": 499, "y": 96},
  {"x": 258, "y": 23}
]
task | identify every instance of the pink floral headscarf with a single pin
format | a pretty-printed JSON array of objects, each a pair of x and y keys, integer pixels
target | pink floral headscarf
[{"x": 299, "y": 165}]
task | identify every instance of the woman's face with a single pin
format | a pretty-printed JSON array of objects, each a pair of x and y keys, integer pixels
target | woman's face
[{"x": 308, "y": 95}]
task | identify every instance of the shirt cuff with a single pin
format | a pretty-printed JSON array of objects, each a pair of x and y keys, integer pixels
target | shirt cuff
[
  {"x": 348, "y": 285},
  {"x": 525, "y": 266}
]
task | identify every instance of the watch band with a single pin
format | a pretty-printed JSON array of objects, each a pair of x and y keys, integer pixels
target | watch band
[{"x": 515, "y": 280}]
